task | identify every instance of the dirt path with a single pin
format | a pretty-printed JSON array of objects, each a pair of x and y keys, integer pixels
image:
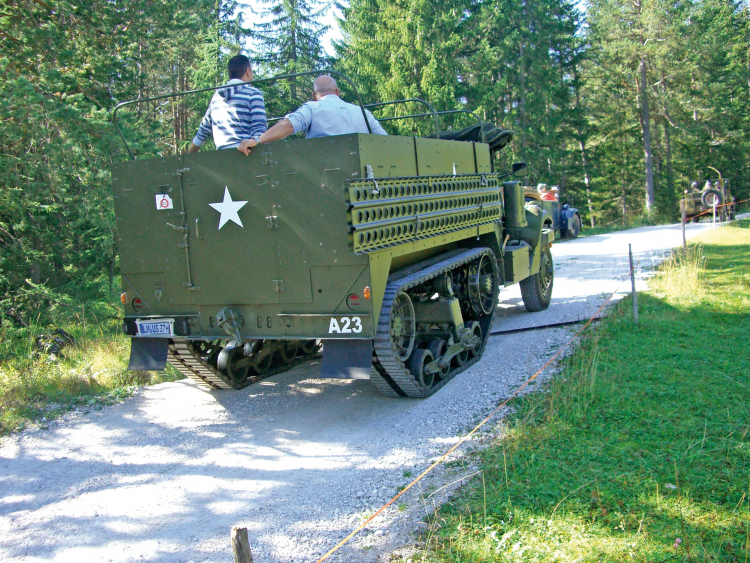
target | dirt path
[{"x": 297, "y": 460}]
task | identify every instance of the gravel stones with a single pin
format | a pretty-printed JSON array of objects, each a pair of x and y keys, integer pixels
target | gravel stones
[{"x": 297, "y": 460}]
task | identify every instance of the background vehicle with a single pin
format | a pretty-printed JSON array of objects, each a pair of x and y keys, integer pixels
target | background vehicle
[
  {"x": 700, "y": 199},
  {"x": 391, "y": 250},
  {"x": 564, "y": 219}
]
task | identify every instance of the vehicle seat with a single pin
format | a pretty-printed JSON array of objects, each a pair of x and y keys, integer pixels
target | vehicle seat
[{"x": 495, "y": 137}]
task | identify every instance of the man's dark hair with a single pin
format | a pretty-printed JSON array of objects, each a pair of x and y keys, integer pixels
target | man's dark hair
[{"x": 237, "y": 66}]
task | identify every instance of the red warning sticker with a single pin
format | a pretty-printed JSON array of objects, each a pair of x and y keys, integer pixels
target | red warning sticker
[{"x": 163, "y": 201}]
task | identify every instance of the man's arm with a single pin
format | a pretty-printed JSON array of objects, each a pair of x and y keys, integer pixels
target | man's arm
[
  {"x": 377, "y": 128},
  {"x": 257, "y": 108},
  {"x": 204, "y": 130},
  {"x": 293, "y": 123},
  {"x": 280, "y": 131}
]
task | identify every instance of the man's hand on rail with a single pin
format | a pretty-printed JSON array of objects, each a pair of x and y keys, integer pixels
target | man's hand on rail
[{"x": 246, "y": 145}]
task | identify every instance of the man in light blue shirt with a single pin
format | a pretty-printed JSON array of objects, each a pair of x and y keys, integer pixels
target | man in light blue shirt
[{"x": 325, "y": 116}]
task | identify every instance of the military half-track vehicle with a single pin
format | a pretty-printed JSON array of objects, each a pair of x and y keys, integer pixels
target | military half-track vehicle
[
  {"x": 390, "y": 251},
  {"x": 702, "y": 196}
]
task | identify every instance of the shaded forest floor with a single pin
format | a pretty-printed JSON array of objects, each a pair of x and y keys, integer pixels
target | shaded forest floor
[{"x": 640, "y": 449}]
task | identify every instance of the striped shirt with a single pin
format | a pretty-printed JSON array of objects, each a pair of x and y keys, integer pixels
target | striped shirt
[{"x": 234, "y": 114}]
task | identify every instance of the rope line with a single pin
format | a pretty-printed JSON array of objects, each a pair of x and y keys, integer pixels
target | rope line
[
  {"x": 721, "y": 205},
  {"x": 477, "y": 427}
]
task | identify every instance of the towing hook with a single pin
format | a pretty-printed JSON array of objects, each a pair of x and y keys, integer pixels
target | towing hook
[{"x": 227, "y": 320}]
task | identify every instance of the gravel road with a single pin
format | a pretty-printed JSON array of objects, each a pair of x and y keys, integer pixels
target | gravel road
[{"x": 299, "y": 461}]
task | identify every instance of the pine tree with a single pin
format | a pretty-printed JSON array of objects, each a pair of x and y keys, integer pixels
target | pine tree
[{"x": 290, "y": 42}]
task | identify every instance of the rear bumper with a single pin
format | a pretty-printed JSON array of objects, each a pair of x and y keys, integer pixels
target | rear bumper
[{"x": 272, "y": 327}]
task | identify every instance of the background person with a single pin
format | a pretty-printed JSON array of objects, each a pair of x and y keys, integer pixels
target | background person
[{"x": 235, "y": 113}]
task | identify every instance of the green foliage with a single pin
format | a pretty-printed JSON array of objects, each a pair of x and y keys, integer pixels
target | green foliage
[
  {"x": 64, "y": 66},
  {"x": 642, "y": 440},
  {"x": 573, "y": 93},
  {"x": 290, "y": 42}
]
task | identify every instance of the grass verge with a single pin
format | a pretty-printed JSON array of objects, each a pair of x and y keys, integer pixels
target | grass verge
[
  {"x": 39, "y": 387},
  {"x": 640, "y": 449}
]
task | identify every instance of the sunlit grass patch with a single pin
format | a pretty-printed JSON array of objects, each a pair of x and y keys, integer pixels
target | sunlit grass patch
[
  {"x": 639, "y": 450},
  {"x": 36, "y": 386}
]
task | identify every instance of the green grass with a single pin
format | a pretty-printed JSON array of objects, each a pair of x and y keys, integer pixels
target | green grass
[
  {"x": 92, "y": 373},
  {"x": 640, "y": 449}
]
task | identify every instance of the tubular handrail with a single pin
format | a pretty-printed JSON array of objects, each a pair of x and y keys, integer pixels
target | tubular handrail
[
  {"x": 429, "y": 105},
  {"x": 254, "y": 82}
]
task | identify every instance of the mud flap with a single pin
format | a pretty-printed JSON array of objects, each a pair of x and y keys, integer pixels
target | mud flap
[
  {"x": 347, "y": 359},
  {"x": 148, "y": 354}
]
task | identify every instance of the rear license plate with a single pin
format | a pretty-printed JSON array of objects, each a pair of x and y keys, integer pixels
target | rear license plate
[{"x": 156, "y": 328}]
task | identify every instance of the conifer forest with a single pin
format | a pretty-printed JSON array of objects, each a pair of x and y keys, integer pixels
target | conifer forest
[{"x": 621, "y": 103}]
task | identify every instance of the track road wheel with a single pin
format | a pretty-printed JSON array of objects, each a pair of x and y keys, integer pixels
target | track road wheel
[
  {"x": 483, "y": 288},
  {"x": 536, "y": 290},
  {"x": 233, "y": 363},
  {"x": 437, "y": 348},
  {"x": 403, "y": 327},
  {"x": 461, "y": 358},
  {"x": 419, "y": 359},
  {"x": 476, "y": 332},
  {"x": 287, "y": 353},
  {"x": 574, "y": 227},
  {"x": 310, "y": 347}
]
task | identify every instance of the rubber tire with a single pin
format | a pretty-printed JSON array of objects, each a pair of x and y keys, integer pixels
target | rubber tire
[
  {"x": 420, "y": 358},
  {"x": 575, "y": 227},
  {"x": 534, "y": 297},
  {"x": 704, "y": 198}
]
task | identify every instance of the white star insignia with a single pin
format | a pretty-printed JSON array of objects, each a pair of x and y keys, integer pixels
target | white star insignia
[{"x": 228, "y": 209}]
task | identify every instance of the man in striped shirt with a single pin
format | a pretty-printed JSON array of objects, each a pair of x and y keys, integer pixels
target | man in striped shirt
[{"x": 234, "y": 113}]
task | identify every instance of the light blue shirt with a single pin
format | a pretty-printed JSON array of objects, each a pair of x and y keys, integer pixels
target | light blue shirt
[{"x": 332, "y": 116}]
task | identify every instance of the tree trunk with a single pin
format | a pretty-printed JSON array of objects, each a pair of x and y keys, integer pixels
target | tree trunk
[
  {"x": 522, "y": 105},
  {"x": 646, "y": 132},
  {"x": 624, "y": 185},
  {"x": 668, "y": 148},
  {"x": 584, "y": 156},
  {"x": 36, "y": 274}
]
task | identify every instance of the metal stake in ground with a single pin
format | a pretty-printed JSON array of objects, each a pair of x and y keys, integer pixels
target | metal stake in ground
[
  {"x": 684, "y": 218},
  {"x": 241, "y": 546},
  {"x": 714, "y": 208},
  {"x": 632, "y": 283}
]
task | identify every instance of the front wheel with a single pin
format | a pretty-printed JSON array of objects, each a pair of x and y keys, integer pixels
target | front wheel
[
  {"x": 536, "y": 290},
  {"x": 574, "y": 227}
]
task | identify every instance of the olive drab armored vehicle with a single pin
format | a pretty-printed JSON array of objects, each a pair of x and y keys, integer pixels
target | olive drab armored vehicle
[{"x": 390, "y": 251}]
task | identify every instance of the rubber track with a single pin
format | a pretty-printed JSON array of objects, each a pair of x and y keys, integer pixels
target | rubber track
[
  {"x": 192, "y": 366},
  {"x": 389, "y": 370}
]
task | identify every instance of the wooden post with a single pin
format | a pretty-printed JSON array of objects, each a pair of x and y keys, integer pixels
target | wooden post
[
  {"x": 241, "y": 546},
  {"x": 632, "y": 285},
  {"x": 684, "y": 218}
]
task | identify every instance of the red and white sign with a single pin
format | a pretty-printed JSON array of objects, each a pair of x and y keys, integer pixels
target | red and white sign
[{"x": 163, "y": 201}]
